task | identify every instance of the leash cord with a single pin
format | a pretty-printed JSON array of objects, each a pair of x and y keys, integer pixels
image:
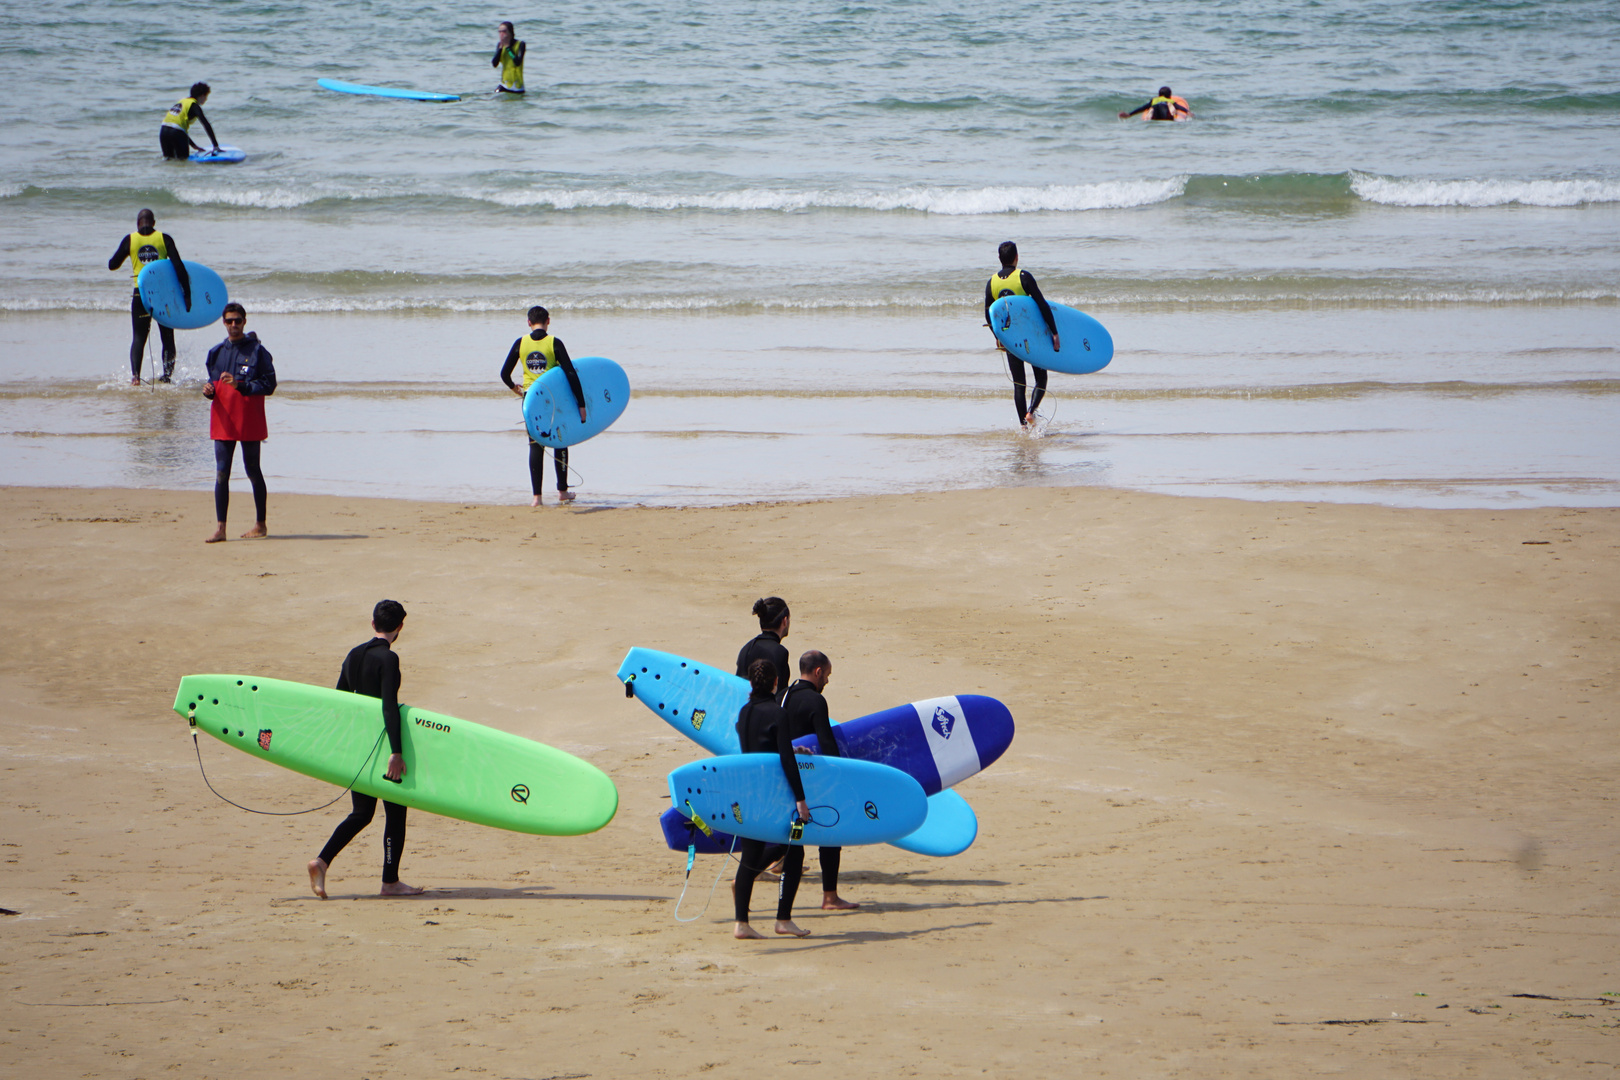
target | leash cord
[{"x": 285, "y": 813}]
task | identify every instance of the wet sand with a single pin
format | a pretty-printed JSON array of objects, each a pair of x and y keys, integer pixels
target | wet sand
[{"x": 1297, "y": 790}]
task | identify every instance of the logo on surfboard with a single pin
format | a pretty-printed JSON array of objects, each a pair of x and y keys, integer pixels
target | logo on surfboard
[
  {"x": 736, "y": 812},
  {"x": 871, "y": 810},
  {"x": 698, "y": 716},
  {"x": 520, "y": 793},
  {"x": 264, "y": 740},
  {"x": 944, "y": 722}
]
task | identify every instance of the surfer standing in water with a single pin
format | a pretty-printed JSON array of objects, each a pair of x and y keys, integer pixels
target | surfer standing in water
[
  {"x": 762, "y": 728},
  {"x": 140, "y": 247},
  {"x": 509, "y": 53},
  {"x": 174, "y": 137},
  {"x": 372, "y": 669},
  {"x": 540, "y": 352},
  {"x": 1011, "y": 281},
  {"x": 1165, "y": 107}
]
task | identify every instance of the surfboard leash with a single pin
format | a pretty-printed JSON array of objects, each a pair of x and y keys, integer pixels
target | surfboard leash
[
  {"x": 693, "y": 824},
  {"x": 283, "y": 813}
]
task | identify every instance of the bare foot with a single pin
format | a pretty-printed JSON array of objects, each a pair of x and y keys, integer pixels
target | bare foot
[
  {"x": 317, "y": 877},
  {"x": 831, "y": 901},
  {"x": 787, "y": 928},
  {"x": 259, "y": 530},
  {"x": 536, "y": 501},
  {"x": 399, "y": 888},
  {"x": 218, "y": 536},
  {"x": 134, "y": 382},
  {"x": 744, "y": 932},
  {"x": 565, "y": 496}
]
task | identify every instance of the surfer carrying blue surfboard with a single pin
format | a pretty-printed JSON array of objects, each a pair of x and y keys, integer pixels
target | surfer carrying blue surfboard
[
  {"x": 762, "y": 728},
  {"x": 174, "y": 137},
  {"x": 140, "y": 247},
  {"x": 540, "y": 352},
  {"x": 509, "y": 53},
  {"x": 372, "y": 669},
  {"x": 774, "y": 621},
  {"x": 806, "y": 710},
  {"x": 1011, "y": 281}
]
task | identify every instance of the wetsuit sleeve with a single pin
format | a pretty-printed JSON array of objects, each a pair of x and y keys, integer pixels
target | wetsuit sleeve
[
  {"x": 523, "y": 50},
  {"x": 824, "y": 730},
  {"x": 1028, "y": 281},
  {"x": 263, "y": 382},
  {"x": 197, "y": 112},
  {"x": 390, "y": 698},
  {"x": 790, "y": 763},
  {"x": 180, "y": 270},
  {"x": 567, "y": 365},
  {"x": 988, "y": 300},
  {"x": 510, "y": 365},
  {"x": 495, "y": 61},
  {"x": 120, "y": 255},
  {"x": 343, "y": 672},
  {"x": 1140, "y": 108}
]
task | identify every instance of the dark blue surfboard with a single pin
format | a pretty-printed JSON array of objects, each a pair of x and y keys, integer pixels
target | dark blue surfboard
[
  {"x": 939, "y": 742},
  {"x": 851, "y": 802}
]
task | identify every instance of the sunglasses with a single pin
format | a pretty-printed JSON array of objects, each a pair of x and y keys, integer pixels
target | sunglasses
[{"x": 229, "y": 320}]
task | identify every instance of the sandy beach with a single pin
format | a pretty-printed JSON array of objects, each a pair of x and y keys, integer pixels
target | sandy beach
[{"x": 1297, "y": 790}]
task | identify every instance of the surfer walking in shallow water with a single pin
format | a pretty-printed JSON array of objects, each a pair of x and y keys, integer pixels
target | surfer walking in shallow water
[
  {"x": 1011, "y": 281},
  {"x": 372, "y": 669}
]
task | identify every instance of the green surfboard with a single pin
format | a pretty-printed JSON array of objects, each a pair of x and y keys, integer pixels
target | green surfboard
[{"x": 453, "y": 767}]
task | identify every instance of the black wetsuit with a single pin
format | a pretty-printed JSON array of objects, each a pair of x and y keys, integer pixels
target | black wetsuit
[
  {"x": 767, "y": 646},
  {"x": 537, "y": 452},
  {"x": 807, "y": 715},
  {"x": 373, "y": 669},
  {"x": 1015, "y": 365},
  {"x": 177, "y": 144},
  {"x": 762, "y": 728},
  {"x": 1162, "y": 110},
  {"x": 141, "y": 319}
]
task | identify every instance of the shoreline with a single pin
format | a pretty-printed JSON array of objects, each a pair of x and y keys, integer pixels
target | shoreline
[{"x": 1296, "y": 788}]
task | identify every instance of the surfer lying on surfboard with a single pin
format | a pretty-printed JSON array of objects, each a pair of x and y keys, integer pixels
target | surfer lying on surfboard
[{"x": 1166, "y": 106}]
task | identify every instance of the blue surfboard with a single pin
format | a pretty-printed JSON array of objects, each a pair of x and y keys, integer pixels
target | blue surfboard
[
  {"x": 698, "y": 700},
  {"x": 226, "y": 155},
  {"x": 551, "y": 413},
  {"x": 383, "y": 91},
  {"x": 1085, "y": 345},
  {"x": 851, "y": 802},
  {"x": 159, "y": 287},
  {"x": 950, "y": 829},
  {"x": 939, "y": 742}
]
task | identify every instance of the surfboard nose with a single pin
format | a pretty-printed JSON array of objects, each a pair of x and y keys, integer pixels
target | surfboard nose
[{"x": 991, "y": 723}]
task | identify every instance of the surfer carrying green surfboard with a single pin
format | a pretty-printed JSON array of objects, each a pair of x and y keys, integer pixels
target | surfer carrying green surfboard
[
  {"x": 1011, "y": 281},
  {"x": 372, "y": 669},
  {"x": 540, "y": 352}
]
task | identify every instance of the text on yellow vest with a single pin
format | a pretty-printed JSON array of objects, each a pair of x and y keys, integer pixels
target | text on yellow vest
[
  {"x": 143, "y": 249},
  {"x": 539, "y": 355},
  {"x": 179, "y": 114}
]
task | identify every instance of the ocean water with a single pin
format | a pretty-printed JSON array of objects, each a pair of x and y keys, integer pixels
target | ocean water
[{"x": 1382, "y": 264}]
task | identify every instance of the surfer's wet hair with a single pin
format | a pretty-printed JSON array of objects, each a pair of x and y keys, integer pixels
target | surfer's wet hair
[
  {"x": 762, "y": 678},
  {"x": 198, "y": 89},
  {"x": 771, "y": 611},
  {"x": 387, "y": 615},
  {"x": 508, "y": 27},
  {"x": 1008, "y": 252},
  {"x": 1164, "y": 91},
  {"x": 145, "y": 217},
  {"x": 539, "y": 316},
  {"x": 813, "y": 660}
]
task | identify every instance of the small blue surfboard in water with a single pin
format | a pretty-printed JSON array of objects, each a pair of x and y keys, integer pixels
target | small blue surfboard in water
[
  {"x": 160, "y": 291},
  {"x": 851, "y": 802},
  {"x": 551, "y": 413},
  {"x": 226, "y": 155},
  {"x": 383, "y": 91},
  {"x": 1084, "y": 344}
]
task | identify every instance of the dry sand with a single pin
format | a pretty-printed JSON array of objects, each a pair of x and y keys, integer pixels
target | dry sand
[{"x": 1297, "y": 791}]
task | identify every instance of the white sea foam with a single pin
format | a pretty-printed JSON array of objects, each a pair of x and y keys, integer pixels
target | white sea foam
[
  {"x": 1391, "y": 192},
  {"x": 272, "y": 198}
]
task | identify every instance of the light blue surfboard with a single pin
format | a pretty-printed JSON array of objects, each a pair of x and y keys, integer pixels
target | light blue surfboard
[
  {"x": 159, "y": 287},
  {"x": 698, "y": 700},
  {"x": 851, "y": 802},
  {"x": 227, "y": 155},
  {"x": 1085, "y": 345},
  {"x": 950, "y": 829},
  {"x": 383, "y": 91},
  {"x": 551, "y": 413}
]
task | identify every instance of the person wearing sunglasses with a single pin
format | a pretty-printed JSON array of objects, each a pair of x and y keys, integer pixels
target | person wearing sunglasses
[{"x": 241, "y": 374}]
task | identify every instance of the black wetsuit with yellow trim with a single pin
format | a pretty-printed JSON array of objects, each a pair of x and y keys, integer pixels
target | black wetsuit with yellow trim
[
  {"x": 1015, "y": 282},
  {"x": 1164, "y": 108},
  {"x": 539, "y": 355},
  {"x": 509, "y": 58},
  {"x": 140, "y": 249},
  {"x": 174, "y": 137},
  {"x": 807, "y": 714},
  {"x": 762, "y": 728}
]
